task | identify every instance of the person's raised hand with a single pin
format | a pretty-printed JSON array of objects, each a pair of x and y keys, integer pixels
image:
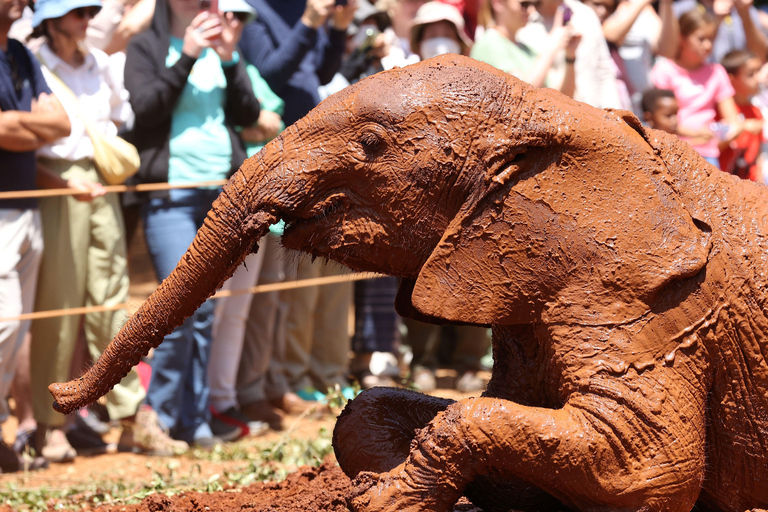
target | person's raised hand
[
  {"x": 343, "y": 15},
  {"x": 200, "y": 34},
  {"x": 742, "y": 5},
  {"x": 722, "y": 8},
  {"x": 232, "y": 29},
  {"x": 316, "y": 12}
]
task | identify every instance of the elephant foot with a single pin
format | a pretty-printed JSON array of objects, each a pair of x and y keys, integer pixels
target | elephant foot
[
  {"x": 396, "y": 490},
  {"x": 375, "y": 430}
]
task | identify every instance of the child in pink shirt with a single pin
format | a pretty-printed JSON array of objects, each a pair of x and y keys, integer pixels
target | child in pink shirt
[{"x": 702, "y": 89}]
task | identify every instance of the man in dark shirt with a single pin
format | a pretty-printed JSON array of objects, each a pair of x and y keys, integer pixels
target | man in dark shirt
[
  {"x": 30, "y": 117},
  {"x": 298, "y": 45}
]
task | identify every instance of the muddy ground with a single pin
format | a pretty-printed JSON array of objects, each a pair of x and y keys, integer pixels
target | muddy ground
[{"x": 198, "y": 481}]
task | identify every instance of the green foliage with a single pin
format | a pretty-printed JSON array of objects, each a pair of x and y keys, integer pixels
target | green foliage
[{"x": 260, "y": 462}]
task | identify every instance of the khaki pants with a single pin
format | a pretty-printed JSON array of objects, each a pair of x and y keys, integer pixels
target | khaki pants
[
  {"x": 317, "y": 340},
  {"x": 84, "y": 264}
]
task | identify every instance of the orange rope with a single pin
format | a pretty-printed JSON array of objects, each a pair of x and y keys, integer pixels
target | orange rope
[
  {"x": 318, "y": 281},
  {"x": 143, "y": 187}
]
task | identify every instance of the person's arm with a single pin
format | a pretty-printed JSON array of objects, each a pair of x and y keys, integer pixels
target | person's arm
[
  {"x": 28, "y": 131},
  {"x": 136, "y": 20},
  {"x": 568, "y": 86},
  {"x": 241, "y": 106},
  {"x": 669, "y": 37},
  {"x": 593, "y": 57},
  {"x": 14, "y": 136},
  {"x": 102, "y": 27},
  {"x": 46, "y": 178},
  {"x": 276, "y": 63},
  {"x": 756, "y": 40},
  {"x": 617, "y": 26},
  {"x": 334, "y": 45},
  {"x": 154, "y": 92}
]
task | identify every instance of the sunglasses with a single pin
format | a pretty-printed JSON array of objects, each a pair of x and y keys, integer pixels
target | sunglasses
[
  {"x": 86, "y": 12},
  {"x": 525, "y": 4}
]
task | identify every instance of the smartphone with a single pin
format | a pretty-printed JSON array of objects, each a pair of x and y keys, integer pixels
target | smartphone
[
  {"x": 205, "y": 5},
  {"x": 567, "y": 13},
  {"x": 341, "y": 2}
]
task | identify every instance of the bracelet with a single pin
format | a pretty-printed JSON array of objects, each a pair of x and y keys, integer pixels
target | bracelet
[{"x": 570, "y": 60}]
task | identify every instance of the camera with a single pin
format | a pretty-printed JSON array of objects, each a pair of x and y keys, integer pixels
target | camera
[
  {"x": 205, "y": 5},
  {"x": 341, "y": 2}
]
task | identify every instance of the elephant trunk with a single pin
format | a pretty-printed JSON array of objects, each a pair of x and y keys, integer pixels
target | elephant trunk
[{"x": 230, "y": 232}]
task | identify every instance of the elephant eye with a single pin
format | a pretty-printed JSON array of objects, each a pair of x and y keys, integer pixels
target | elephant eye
[{"x": 370, "y": 142}]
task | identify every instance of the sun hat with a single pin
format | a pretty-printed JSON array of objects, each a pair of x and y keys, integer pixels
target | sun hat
[
  {"x": 432, "y": 12},
  {"x": 51, "y": 9},
  {"x": 238, "y": 6}
]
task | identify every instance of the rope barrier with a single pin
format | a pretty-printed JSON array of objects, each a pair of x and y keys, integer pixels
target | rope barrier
[
  {"x": 146, "y": 187},
  {"x": 142, "y": 187},
  {"x": 264, "y": 288}
]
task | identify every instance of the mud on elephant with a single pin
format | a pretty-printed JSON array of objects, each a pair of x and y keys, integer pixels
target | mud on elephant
[{"x": 623, "y": 278}]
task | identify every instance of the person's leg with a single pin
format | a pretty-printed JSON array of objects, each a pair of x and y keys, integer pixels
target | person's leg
[
  {"x": 169, "y": 228},
  {"x": 299, "y": 323},
  {"x": 229, "y": 327},
  {"x": 259, "y": 343},
  {"x": 107, "y": 285},
  {"x": 472, "y": 344},
  {"x": 376, "y": 328},
  {"x": 21, "y": 237},
  {"x": 196, "y": 414},
  {"x": 61, "y": 285},
  {"x": 329, "y": 362},
  {"x": 423, "y": 339}
]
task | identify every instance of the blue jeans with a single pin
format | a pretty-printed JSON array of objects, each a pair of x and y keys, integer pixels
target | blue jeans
[{"x": 178, "y": 389}]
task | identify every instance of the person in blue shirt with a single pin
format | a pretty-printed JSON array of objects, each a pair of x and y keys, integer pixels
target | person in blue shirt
[
  {"x": 298, "y": 45},
  {"x": 30, "y": 117}
]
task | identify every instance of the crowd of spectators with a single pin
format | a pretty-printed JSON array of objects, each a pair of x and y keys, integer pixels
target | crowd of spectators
[{"x": 198, "y": 86}]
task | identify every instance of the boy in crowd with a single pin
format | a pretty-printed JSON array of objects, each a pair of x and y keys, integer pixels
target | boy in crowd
[
  {"x": 740, "y": 156},
  {"x": 660, "y": 110}
]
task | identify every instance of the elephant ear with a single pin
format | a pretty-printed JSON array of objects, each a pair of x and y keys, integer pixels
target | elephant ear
[{"x": 576, "y": 235}]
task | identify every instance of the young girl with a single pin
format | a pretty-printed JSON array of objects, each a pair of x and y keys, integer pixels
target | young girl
[{"x": 702, "y": 90}]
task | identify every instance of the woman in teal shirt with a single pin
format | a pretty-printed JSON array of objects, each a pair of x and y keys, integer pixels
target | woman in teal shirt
[{"x": 189, "y": 91}]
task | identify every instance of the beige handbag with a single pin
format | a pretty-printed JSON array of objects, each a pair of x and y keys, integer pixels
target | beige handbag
[{"x": 115, "y": 158}]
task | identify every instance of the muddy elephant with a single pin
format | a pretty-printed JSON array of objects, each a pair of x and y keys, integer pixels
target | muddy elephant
[{"x": 622, "y": 275}]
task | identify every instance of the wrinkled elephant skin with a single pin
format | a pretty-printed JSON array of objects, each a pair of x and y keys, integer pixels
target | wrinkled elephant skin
[{"x": 624, "y": 279}]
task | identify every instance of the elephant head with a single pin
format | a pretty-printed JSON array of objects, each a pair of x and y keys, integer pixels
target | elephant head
[{"x": 461, "y": 180}]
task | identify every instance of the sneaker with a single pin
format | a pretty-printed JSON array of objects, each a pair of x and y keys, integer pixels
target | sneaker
[
  {"x": 232, "y": 424},
  {"x": 56, "y": 447},
  {"x": 291, "y": 403},
  {"x": 10, "y": 461},
  {"x": 207, "y": 443},
  {"x": 87, "y": 442},
  {"x": 144, "y": 435},
  {"x": 262, "y": 411},
  {"x": 87, "y": 418}
]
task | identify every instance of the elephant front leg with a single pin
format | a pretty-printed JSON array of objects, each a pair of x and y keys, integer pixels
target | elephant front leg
[
  {"x": 595, "y": 453},
  {"x": 375, "y": 430}
]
